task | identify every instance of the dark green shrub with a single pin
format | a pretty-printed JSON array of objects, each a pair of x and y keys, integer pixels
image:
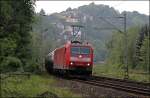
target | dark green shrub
[{"x": 10, "y": 64}]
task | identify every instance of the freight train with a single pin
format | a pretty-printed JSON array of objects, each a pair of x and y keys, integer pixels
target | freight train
[{"x": 72, "y": 58}]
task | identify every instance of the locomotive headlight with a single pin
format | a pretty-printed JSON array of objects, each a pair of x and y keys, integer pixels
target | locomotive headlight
[
  {"x": 71, "y": 63},
  {"x": 80, "y": 56},
  {"x": 88, "y": 64}
]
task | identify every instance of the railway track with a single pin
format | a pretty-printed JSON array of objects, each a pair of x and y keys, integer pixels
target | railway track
[
  {"x": 122, "y": 81},
  {"x": 119, "y": 84}
]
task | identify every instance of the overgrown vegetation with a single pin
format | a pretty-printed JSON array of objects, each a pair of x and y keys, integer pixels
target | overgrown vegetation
[
  {"x": 114, "y": 72},
  {"x": 43, "y": 86},
  {"x": 137, "y": 55},
  {"x": 16, "y": 18},
  {"x": 43, "y": 39},
  {"x": 137, "y": 49}
]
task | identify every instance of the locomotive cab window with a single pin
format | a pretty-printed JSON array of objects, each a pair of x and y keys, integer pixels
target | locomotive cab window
[
  {"x": 75, "y": 50},
  {"x": 80, "y": 50},
  {"x": 84, "y": 50}
]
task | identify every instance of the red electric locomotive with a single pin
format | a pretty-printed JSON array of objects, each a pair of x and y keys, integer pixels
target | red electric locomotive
[{"x": 73, "y": 58}]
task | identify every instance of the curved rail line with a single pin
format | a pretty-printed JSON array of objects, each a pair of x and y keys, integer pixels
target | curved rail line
[{"x": 119, "y": 84}]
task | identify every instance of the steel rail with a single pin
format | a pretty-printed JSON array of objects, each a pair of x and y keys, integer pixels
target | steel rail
[
  {"x": 123, "y": 85},
  {"x": 100, "y": 78}
]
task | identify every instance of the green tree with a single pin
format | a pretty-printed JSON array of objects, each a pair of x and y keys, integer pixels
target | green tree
[
  {"x": 137, "y": 48},
  {"x": 145, "y": 53},
  {"x": 16, "y": 18}
]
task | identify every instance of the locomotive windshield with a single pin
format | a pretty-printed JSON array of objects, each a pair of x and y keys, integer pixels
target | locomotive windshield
[
  {"x": 75, "y": 50},
  {"x": 84, "y": 50},
  {"x": 80, "y": 50}
]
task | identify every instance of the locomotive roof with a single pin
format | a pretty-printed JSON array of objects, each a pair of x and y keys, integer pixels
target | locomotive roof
[
  {"x": 78, "y": 44},
  {"x": 68, "y": 44}
]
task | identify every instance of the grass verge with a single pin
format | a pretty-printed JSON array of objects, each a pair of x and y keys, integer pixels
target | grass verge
[
  {"x": 35, "y": 86},
  {"x": 115, "y": 72}
]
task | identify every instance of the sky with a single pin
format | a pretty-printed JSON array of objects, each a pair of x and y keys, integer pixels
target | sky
[{"x": 59, "y": 6}]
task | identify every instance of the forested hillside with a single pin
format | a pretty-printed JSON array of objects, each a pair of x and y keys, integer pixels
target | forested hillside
[
  {"x": 27, "y": 37},
  {"x": 97, "y": 30}
]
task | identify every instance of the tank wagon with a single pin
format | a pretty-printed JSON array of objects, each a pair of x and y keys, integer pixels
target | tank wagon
[{"x": 72, "y": 58}]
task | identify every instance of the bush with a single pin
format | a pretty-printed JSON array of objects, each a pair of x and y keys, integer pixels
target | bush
[
  {"x": 31, "y": 67},
  {"x": 10, "y": 64}
]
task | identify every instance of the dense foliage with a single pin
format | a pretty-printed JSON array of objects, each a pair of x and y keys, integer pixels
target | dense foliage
[
  {"x": 43, "y": 39},
  {"x": 137, "y": 48},
  {"x": 15, "y": 26}
]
